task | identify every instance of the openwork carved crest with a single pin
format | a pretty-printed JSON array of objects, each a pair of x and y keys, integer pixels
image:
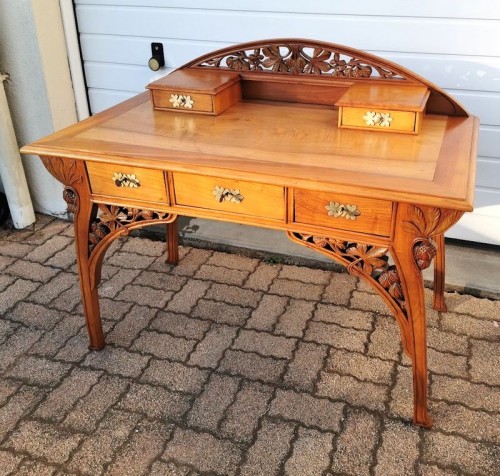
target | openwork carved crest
[
  {"x": 113, "y": 219},
  {"x": 361, "y": 259},
  {"x": 299, "y": 59},
  {"x": 426, "y": 222}
]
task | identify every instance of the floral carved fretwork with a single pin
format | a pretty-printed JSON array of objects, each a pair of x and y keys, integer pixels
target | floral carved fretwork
[
  {"x": 369, "y": 261},
  {"x": 299, "y": 59},
  {"x": 424, "y": 223},
  {"x": 113, "y": 219}
]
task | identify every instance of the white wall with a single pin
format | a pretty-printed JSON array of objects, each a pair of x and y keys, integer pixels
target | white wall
[
  {"x": 453, "y": 43},
  {"x": 39, "y": 91}
]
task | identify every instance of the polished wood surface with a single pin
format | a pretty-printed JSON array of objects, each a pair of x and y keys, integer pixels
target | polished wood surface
[{"x": 377, "y": 203}]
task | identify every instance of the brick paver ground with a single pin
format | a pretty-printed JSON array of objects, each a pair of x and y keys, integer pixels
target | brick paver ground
[{"x": 229, "y": 365}]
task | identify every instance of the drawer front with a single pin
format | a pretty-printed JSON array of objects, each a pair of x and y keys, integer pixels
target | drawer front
[
  {"x": 343, "y": 212},
  {"x": 227, "y": 195},
  {"x": 378, "y": 119},
  {"x": 182, "y": 101},
  {"x": 124, "y": 181}
]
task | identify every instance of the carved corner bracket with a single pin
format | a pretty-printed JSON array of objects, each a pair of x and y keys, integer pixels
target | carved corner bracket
[
  {"x": 114, "y": 220},
  {"x": 425, "y": 223}
]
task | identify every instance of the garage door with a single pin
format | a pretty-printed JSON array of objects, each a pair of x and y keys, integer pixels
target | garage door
[{"x": 457, "y": 52}]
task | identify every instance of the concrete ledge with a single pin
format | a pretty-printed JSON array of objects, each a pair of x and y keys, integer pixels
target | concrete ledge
[{"x": 470, "y": 268}]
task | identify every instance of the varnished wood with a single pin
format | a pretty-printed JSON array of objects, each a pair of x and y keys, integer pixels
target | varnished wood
[
  {"x": 374, "y": 215},
  {"x": 173, "y": 243},
  {"x": 438, "y": 302},
  {"x": 283, "y": 163},
  {"x": 266, "y": 201},
  {"x": 151, "y": 182}
]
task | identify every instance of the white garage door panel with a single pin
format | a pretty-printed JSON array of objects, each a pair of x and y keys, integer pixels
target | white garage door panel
[
  {"x": 472, "y": 227},
  {"x": 219, "y": 25},
  {"x": 120, "y": 77},
  {"x": 453, "y": 43},
  {"x": 488, "y": 172},
  {"x": 136, "y": 51},
  {"x": 101, "y": 99},
  {"x": 486, "y": 9},
  {"x": 489, "y": 141},
  {"x": 449, "y": 71},
  {"x": 485, "y": 105}
]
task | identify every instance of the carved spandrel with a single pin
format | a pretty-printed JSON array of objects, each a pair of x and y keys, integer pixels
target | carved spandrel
[
  {"x": 112, "y": 219},
  {"x": 64, "y": 170}
]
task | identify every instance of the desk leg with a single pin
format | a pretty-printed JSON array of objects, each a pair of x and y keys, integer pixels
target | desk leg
[
  {"x": 439, "y": 303},
  {"x": 173, "y": 242},
  {"x": 89, "y": 275}
]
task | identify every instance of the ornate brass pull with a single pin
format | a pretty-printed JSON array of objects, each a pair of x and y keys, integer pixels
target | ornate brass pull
[
  {"x": 337, "y": 210},
  {"x": 181, "y": 100},
  {"x": 381, "y": 119},
  {"x": 126, "y": 180},
  {"x": 222, "y": 194}
]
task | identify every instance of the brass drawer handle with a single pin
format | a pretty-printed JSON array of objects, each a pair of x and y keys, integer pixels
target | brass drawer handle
[
  {"x": 338, "y": 210},
  {"x": 381, "y": 119},
  {"x": 126, "y": 180},
  {"x": 222, "y": 194},
  {"x": 181, "y": 100}
]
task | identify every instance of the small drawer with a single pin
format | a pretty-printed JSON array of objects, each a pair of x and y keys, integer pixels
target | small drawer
[
  {"x": 343, "y": 212},
  {"x": 181, "y": 101},
  {"x": 227, "y": 195},
  {"x": 379, "y": 119},
  {"x": 124, "y": 181}
]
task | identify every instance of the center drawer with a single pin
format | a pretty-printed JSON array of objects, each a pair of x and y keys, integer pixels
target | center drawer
[
  {"x": 343, "y": 212},
  {"x": 229, "y": 195}
]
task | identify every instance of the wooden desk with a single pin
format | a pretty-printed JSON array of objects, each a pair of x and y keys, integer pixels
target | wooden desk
[{"x": 377, "y": 203}]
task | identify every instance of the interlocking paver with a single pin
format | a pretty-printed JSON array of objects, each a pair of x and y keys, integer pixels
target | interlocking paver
[
  {"x": 306, "y": 409},
  {"x": 399, "y": 449},
  {"x": 484, "y": 362},
  {"x": 265, "y": 344},
  {"x": 59, "y": 401},
  {"x": 269, "y": 450},
  {"x": 226, "y": 364},
  {"x": 294, "y": 320},
  {"x": 472, "y": 458},
  {"x": 155, "y": 402},
  {"x": 145, "y": 444},
  {"x": 242, "y": 417},
  {"x": 204, "y": 452},
  {"x": 354, "y": 451},
  {"x": 209, "y": 408},
  {"x": 175, "y": 376},
  {"x": 210, "y": 350},
  {"x": 311, "y": 453},
  {"x": 252, "y": 366},
  {"x": 266, "y": 315},
  {"x": 43, "y": 440},
  {"x": 99, "y": 448},
  {"x": 302, "y": 372},
  {"x": 92, "y": 407}
]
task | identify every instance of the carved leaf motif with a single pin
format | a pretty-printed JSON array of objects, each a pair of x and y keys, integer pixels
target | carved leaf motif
[
  {"x": 427, "y": 221},
  {"x": 64, "y": 170},
  {"x": 318, "y": 62},
  {"x": 370, "y": 257}
]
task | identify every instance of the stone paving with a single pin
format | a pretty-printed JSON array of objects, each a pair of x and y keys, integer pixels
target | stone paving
[{"x": 229, "y": 365}]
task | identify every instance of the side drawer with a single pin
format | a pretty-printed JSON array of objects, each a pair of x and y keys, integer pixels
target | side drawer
[
  {"x": 124, "y": 181},
  {"x": 373, "y": 119},
  {"x": 228, "y": 195},
  {"x": 182, "y": 101},
  {"x": 343, "y": 212}
]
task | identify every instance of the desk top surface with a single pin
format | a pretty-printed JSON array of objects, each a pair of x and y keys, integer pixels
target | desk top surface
[{"x": 284, "y": 143}]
